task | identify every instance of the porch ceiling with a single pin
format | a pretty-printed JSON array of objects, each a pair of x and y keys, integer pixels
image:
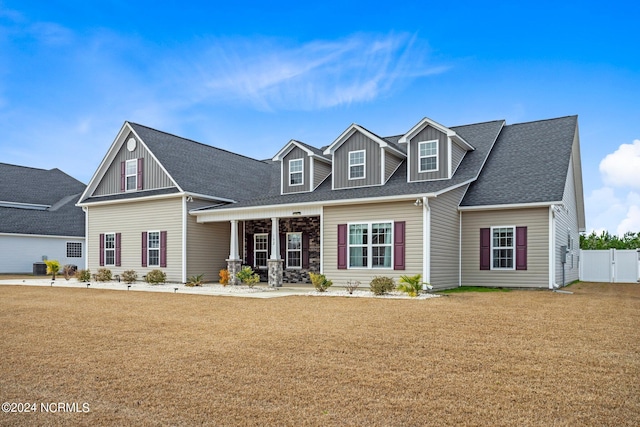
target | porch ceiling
[{"x": 242, "y": 214}]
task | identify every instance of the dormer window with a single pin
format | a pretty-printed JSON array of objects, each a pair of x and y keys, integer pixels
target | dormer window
[
  {"x": 428, "y": 156},
  {"x": 356, "y": 164},
  {"x": 132, "y": 175},
  {"x": 296, "y": 172}
]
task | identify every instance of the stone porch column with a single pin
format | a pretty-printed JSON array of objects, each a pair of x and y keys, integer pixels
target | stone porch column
[
  {"x": 234, "y": 263},
  {"x": 275, "y": 261}
]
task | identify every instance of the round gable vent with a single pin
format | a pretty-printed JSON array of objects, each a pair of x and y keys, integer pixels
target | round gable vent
[{"x": 131, "y": 144}]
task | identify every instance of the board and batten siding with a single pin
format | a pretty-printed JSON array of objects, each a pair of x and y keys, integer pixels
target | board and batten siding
[
  {"x": 400, "y": 210},
  {"x": 428, "y": 134},
  {"x": 294, "y": 154},
  {"x": 445, "y": 239},
  {"x": 391, "y": 163},
  {"x": 207, "y": 245},
  {"x": 153, "y": 175},
  {"x": 321, "y": 171},
  {"x": 131, "y": 219},
  {"x": 457, "y": 154},
  {"x": 537, "y": 273},
  {"x": 357, "y": 142},
  {"x": 566, "y": 232}
]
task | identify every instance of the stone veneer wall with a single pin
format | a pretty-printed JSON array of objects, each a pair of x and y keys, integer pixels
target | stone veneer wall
[{"x": 307, "y": 225}]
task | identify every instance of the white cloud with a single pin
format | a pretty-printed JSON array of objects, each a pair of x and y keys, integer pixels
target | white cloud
[
  {"x": 271, "y": 74},
  {"x": 622, "y": 167},
  {"x": 631, "y": 222}
]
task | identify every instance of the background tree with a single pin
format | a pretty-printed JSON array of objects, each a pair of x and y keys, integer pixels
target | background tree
[{"x": 630, "y": 240}]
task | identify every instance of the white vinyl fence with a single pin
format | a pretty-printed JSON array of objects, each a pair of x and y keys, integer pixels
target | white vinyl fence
[{"x": 610, "y": 265}]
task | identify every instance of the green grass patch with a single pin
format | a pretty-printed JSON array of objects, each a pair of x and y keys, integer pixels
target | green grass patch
[{"x": 462, "y": 289}]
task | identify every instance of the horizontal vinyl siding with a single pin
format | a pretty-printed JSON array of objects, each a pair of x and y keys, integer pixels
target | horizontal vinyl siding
[
  {"x": 567, "y": 226},
  {"x": 537, "y": 222},
  {"x": 401, "y": 210},
  {"x": 294, "y": 154},
  {"x": 321, "y": 171},
  {"x": 357, "y": 142},
  {"x": 445, "y": 231},
  {"x": 131, "y": 219},
  {"x": 154, "y": 177},
  {"x": 207, "y": 248},
  {"x": 20, "y": 252},
  {"x": 429, "y": 134}
]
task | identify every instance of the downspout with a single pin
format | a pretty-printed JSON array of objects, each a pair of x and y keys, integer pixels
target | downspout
[
  {"x": 426, "y": 239},
  {"x": 460, "y": 250},
  {"x": 552, "y": 235},
  {"x": 184, "y": 239},
  {"x": 85, "y": 209}
]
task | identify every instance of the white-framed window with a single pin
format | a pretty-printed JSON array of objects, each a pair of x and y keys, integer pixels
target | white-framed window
[
  {"x": 370, "y": 245},
  {"x": 153, "y": 249},
  {"x": 294, "y": 250},
  {"x": 74, "y": 249},
  {"x": 356, "y": 164},
  {"x": 296, "y": 172},
  {"x": 110, "y": 249},
  {"x": 503, "y": 248},
  {"x": 260, "y": 249},
  {"x": 131, "y": 175},
  {"x": 428, "y": 156}
]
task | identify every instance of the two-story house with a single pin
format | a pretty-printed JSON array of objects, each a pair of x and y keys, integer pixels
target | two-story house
[{"x": 481, "y": 204}]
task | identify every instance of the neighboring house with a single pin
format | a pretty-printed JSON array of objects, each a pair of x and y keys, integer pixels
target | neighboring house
[
  {"x": 484, "y": 204},
  {"x": 39, "y": 219}
]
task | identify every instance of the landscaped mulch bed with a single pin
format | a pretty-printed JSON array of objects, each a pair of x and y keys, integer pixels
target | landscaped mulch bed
[{"x": 138, "y": 358}]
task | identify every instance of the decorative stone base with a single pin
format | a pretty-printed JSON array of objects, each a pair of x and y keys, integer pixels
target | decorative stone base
[
  {"x": 275, "y": 272},
  {"x": 234, "y": 266}
]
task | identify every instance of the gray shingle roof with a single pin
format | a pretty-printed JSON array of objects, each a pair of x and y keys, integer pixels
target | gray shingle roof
[
  {"x": 481, "y": 136},
  {"x": 19, "y": 184},
  {"x": 528, "y": 164},
  {"x": 200, "y": 168}
]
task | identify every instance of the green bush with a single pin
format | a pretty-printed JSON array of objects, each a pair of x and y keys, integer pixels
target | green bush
[
  {"x": 247, "y": 276},
  {"x": 103, "y": 275},
  {"x": 156, "y": 276},
  {"x": 129, "y": 276},
  {"x": 381, "y": 285},
  {"x": 320, "y": 282},
  {"x": 411, "y": 285},
  {"x": 83, "y": 275},
  {"x": 194, "y": 280}
]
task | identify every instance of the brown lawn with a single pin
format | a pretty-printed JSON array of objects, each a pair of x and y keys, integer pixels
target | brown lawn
[{"x": 517, "y": 358}]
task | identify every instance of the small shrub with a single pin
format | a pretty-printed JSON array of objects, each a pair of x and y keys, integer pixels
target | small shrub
[
  {"x": 83, "y": 275},
  {"x": 53, "y": 267},
  {"x": 352, "y": 285},
  {"x": 224, "y": 277},
  {"x": 129, "y": 276},
  {"x": 411, "y": 285},
  {"x": 381, "y": 285},
  {"x": 247, "y": 276},
  {"x": 194, "y": 280},
  {"x": 320, "y": 282},
  {"x": 68, "y": 271},
  {"x": 103, "y": 275},
  {"x": 156, "y": 276}
]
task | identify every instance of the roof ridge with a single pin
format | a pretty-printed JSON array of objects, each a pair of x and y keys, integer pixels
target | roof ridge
[
  {"x": 26, "y": 167},
  {"x": 545, "y": 120},
  {"x": 195, "y": 142}
]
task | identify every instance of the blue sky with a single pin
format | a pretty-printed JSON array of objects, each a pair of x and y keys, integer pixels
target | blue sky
[{"x": 250, "y": 77}]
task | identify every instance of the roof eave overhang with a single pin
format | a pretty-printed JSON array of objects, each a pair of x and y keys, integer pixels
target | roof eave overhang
[
  {"x": 508, "y": 206},
  {"x": 292, "y": 209}
]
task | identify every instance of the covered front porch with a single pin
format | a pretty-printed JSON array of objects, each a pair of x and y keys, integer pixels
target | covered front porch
[{"x": 281, "y": 246}]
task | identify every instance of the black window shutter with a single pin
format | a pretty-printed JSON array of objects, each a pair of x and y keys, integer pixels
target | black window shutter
[
  {"x": 485, "y": 249},
  {"x": 521, "y": 248}
]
